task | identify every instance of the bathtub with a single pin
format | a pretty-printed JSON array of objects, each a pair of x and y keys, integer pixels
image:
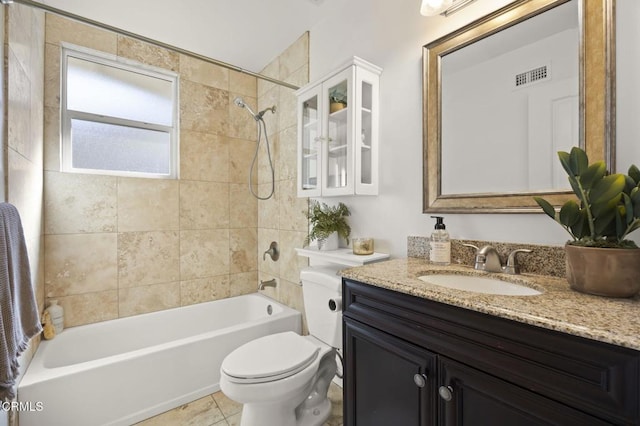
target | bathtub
[{"x": 126, "y": 370}]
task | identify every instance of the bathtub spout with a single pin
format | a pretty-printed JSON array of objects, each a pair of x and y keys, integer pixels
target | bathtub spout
[{"x": 269, "y": 283}]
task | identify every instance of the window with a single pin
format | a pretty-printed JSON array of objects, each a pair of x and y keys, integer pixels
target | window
[{"x": 118, "y": 116}]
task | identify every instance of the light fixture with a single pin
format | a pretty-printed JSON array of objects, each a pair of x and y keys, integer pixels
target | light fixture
[{"x": 442, "y": 7}]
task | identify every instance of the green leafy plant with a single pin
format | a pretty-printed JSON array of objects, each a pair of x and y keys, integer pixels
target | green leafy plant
[
  {"x": 608, "y": 205},
  {"x": 326, "y": 220},
  {"x": 338, "y": 95}
]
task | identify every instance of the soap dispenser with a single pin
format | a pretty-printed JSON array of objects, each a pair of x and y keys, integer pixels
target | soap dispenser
[{"x": 440, "y": 250}]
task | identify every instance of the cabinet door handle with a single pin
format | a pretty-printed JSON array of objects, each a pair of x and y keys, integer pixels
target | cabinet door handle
[
  {"x": 446, "y": 392},
  {"x": 420, "y": 380}
]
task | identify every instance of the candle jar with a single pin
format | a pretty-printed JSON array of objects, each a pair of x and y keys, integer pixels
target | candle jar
[{"x": 362, "y": 246}]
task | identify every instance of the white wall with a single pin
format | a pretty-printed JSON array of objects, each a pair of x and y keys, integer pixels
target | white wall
[{"x": 391, "y": 35}]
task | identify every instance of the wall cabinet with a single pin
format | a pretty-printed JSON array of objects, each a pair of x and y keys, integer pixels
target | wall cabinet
[
  {"x": 338, "y": 132},
  {"x": 412, "y": 361}
]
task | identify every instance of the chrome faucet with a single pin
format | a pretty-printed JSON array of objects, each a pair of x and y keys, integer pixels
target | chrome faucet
[
  {"x": 268, "y": 283},
  {"x": 273, "y": 252},
  {"x": 488, "y": 260}
]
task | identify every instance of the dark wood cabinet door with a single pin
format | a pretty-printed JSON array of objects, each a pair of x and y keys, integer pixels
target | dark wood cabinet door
[
  {"x": 388, "y": 381},
  {"x": 471, "y": 397}
]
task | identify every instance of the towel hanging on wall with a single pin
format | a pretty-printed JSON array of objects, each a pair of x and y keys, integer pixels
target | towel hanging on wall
[{"x": 19, "y": 319}]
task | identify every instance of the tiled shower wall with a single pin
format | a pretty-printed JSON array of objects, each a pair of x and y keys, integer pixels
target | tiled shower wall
[
  {"x": 115, "y": 246},
  {"x": 282, "y": 217}
]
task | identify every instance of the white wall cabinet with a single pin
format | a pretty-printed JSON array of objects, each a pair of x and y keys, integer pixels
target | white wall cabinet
[{"x": 338, "y": 132}]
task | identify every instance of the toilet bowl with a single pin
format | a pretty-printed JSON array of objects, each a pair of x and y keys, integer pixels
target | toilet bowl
[
  {"x": 286, "y": 383},
  {"x": 282, "y": 379}
]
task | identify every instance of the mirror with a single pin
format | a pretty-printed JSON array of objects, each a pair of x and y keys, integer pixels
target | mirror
[{"x": 503, "y": 94}]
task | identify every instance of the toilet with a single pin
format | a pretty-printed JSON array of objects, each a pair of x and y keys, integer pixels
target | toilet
[{"x": 282, "y": 379}]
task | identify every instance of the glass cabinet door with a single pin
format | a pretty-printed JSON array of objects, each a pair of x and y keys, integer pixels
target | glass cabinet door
[
  {"x": 338, "y": 153},
  {"x": 366, "y": 143},
  {"x": 309, "y": 149}
]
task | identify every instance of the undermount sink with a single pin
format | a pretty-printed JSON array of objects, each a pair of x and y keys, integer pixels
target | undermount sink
[{"x": 479, "y": 284}]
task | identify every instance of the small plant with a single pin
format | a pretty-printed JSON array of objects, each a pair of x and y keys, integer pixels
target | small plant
[
  {"x": 608, "y": 206},
  {"x": 338, "y": 95},
  {"x": 325, "y": 220}
]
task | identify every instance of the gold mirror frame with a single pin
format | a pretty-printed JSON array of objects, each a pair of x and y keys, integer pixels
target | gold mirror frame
[{"x": 597, "y": 102}]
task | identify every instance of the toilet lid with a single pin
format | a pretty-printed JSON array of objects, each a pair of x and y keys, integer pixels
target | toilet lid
[{"x": 269, "y": 358}]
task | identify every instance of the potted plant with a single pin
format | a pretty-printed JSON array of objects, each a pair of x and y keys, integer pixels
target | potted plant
[
  {"x": 600, "y": 259},
  {"x": 327, "y": 224},
  {"x": 337, "y": 99}
]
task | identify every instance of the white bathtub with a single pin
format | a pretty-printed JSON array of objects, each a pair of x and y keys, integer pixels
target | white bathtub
[{"x": 122, "y": 371}]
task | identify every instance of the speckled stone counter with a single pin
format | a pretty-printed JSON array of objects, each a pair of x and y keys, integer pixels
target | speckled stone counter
[{"x": 615, "y": 321}]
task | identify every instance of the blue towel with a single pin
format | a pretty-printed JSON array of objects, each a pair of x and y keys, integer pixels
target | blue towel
[{"x": 19, "y": 318}]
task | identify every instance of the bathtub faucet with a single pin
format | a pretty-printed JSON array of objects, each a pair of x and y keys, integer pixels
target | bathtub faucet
[
  {"x": 273, "y": 252},
  {"x": 269, "y": 283}
]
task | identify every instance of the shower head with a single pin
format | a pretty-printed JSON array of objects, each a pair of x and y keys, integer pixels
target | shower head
[{"x": 240, "y": 103}]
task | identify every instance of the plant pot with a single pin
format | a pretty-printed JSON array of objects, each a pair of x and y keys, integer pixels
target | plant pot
[
  {"x": 336, "y": 106},
  {"x": 603, "y": 271},
  {"x": 329, "y": 243}
]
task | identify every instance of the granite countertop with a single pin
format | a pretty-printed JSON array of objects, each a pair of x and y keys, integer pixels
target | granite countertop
[{"x": 615, "y": 321}]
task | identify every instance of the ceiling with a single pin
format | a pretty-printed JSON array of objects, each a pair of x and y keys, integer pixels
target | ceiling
[{"x": 244, "y": 33}]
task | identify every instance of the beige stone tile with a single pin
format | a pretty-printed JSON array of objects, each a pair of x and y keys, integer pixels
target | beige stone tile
[
  {"x": 241, "y": 153},
  {"x": 299, "y": 78},
  {"x": 80, "y": 263},
  {"x": 271, "y": 70},
  {"x": 61, "y": 29},
  {"x": 52, "y": 75},
  {"x": 288, "y": 153},
  {"x": 148, "y": 258},
  {"x": 151, "y": 298},
  {"x": 234, "y": 420},
  {"x": 204, "y": 289},
  {"x": 243, "y": 84},
  {"x": 291, "y": 295},
  {"x": 292, "y": 209},
  {"x": 206, "y": 73},
  {"x": 243, "y": 246},
  {"x": 221, "y": 287},
  {"x": 204, "y": 205},
  {"x": 243, "y": 283},
  {"x": 264, "y": 165},
  {"x": 269, "y": 210},
  {"x": 20, "y": 38},
  {"x": 267, "y": 100},
  {"x": 201, "y": 412},
  {"x": 203, "y": 108},
  {"x": 243, "y": 207},
  {"x": 290, "y": 262},
  {"x": 77, "y": 203},
  {"x": 52, "y": 138},
  {"x": 147, "y": 204},
  {"x": 204, "y": 253},
  {"x": 242, "y": 125},
  {"x": 204, "y": 156},
  {"x": 295, "y": 56},
  {"x": 18, "y": 108},
  {"x": 80, "y": 309},
  {"x": 265, "y": 237},
  {"x": 288, "y": 112},
  {"x": 228, "y": 406},
  {"x": 148, "y": 54}
]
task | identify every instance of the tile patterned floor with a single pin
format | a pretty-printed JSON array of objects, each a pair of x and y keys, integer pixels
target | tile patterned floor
[{"x": 218, "y": 410}]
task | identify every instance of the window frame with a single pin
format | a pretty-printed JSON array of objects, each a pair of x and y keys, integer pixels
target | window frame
[{"x": 66, "y": 115}]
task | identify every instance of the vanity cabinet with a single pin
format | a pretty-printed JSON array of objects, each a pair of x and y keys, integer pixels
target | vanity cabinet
[
  {"x": 338, "y": 132},
  {"x": 413, "y": 361}
]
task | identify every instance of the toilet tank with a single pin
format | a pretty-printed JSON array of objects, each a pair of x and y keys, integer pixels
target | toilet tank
[{"x": 322, "y": 292}]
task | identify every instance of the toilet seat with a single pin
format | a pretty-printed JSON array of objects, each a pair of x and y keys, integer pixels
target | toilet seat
[{"x": 270, "y": 358}]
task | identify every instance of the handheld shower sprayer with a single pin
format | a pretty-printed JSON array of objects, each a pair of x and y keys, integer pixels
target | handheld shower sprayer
[
  {"x": 240, "y": 103},
  {"x": 260, "y": 125}
]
